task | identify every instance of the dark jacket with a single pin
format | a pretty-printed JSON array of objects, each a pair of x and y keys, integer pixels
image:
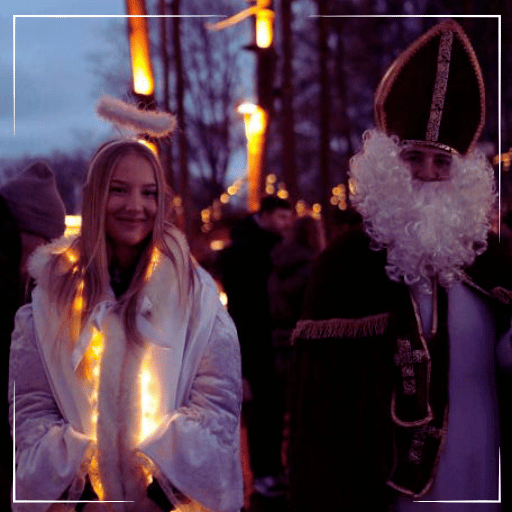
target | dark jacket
[
  {"x": 11, "y": 299},
  {"x": 343, "y": 375},
  {"x": 245, "y": 267}
]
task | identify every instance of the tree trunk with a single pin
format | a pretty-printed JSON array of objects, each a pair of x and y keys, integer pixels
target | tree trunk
[
  {"x": 164, "y": 144},
  {"x": 180, "y": 93},
  {"x": 325, "y": 106},
  {"x": 290, "y": 168}
]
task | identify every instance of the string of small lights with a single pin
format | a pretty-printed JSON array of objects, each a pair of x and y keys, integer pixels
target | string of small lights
[
  {"x": 505, "y": 158},
  {"x": 213, "y": 212}
]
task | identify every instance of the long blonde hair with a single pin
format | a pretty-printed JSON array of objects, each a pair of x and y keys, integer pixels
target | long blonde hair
[{"x": 82, "y": 274}]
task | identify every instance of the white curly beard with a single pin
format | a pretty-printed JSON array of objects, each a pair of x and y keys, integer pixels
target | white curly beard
[{"x": 428, "y": 228}]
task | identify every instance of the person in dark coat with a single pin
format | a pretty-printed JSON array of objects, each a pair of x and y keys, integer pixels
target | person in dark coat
[
  {"x": 292, "y": 262},
  {"x": 31, "y": 213},
  {"x": 245, "y": 269},
  {"x": 402, "y": 352}
]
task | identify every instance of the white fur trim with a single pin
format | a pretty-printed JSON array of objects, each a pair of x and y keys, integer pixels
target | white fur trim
[{"x": 42, "y": 255}]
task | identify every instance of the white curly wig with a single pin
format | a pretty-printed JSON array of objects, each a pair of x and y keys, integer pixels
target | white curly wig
[{"x": 427, "y": 228}]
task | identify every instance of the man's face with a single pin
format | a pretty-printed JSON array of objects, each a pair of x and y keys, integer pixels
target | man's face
[
  {"x": 427, "y": 164},
  {"x": 427, "y": 208},
  {"x": 280, "y": 221}
]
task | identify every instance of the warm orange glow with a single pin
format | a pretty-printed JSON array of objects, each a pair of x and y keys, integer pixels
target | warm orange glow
[
  {"x": 300, "y": 208},
  {"x": 505, "y": 158},
  {"x": 205, "y": 215},
  {"x": 78, "y": 301},
  {"x": 150, "y": 400},
  {"x": 155, "y": 258},
  {"x": 91, "y": 368},
  {"x": 95, "y": 349},
  {"x": 283, "y": 193},
  {"x": 150, "y": 145},
  {"x": 255, "y": 126},
  {"x": 217, "y": 245},
  {"x": 255, "y": 119},
  {"x": 71, "y": 255},
  {"x": 246, "y": 108},
  {"x": 95, "y": 479},
  {"x": 224, "y": 198},
  {"x": 73, "y": 224},
  {"x": 142, "y": 72},
  {"x": 264, "y": 28},
  {"x": 351, "y": 186}
]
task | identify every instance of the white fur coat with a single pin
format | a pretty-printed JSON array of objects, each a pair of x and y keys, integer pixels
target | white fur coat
[{"x": 194, "y": 363}]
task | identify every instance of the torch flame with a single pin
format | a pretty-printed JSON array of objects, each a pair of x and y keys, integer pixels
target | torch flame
[
  {"x": 143, "y": 82},
  {"x": 264, "y": 28}
]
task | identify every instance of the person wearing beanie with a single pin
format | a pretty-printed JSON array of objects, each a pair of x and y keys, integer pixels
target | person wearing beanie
[
  {"x": 402, "y": 351},
  {"x": 31, "y": 213},
  {"x": 34, "y": 202}
]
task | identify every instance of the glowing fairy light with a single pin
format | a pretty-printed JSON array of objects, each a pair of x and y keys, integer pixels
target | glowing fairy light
[
  {"x": 214, "y": 212},
  {"x": 150, "y": 399},
  {"x": 316, "y": 211},
  {"x": 72, "y": 256},
  {"x": 78, "y": 301},
  {"x": 205, "y": 215},
  {"x": 153, "y": 262},
  {"x": 339, "y": 196},
  {"x": 351, "y": 186},
  {"x": 73, "y": 224},
  {"x": 151, "y": 145},
  {"x": 282, "y": 192},
  {"x": 95, "y": 479},
  {"x": 177, "y": 204},
  {"x": 300, "y": 208},
  {"x": 217, "y": 245}
]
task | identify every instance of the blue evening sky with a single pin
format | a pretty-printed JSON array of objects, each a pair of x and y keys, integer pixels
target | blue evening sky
[{"x": 56, "y": 80}]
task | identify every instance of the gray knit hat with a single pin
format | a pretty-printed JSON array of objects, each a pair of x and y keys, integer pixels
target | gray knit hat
[{"x": 34, "y": 201}]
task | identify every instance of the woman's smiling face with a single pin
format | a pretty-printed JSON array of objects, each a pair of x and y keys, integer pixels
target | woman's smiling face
[{"x": 131, "y": 203}]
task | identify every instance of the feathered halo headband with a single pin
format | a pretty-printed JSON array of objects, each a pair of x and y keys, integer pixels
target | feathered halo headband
[{"x": 150, "y": 122}]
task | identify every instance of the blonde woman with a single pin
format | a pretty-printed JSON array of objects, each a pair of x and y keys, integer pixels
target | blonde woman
[{"x": 125, "y": 384}]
